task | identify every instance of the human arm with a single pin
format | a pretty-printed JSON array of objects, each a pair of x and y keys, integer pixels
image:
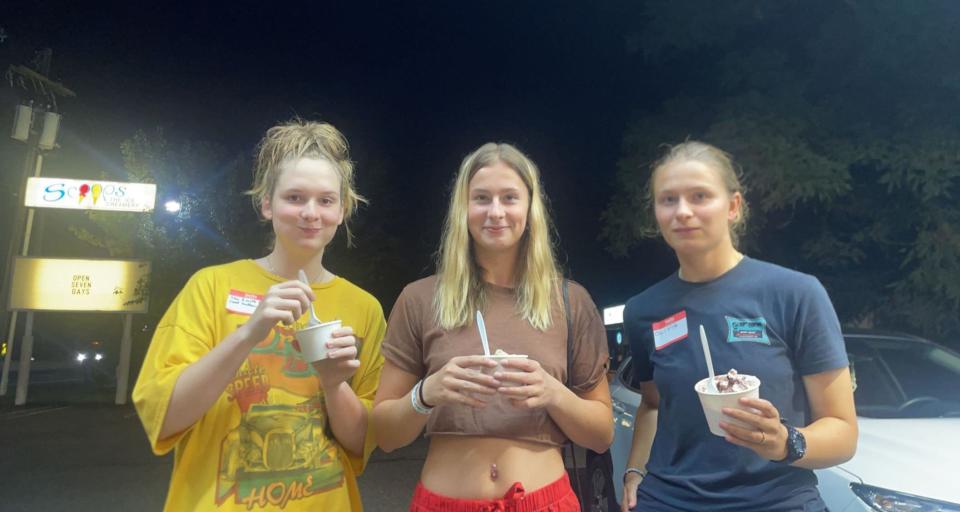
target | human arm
[
  {"x": 831, "y": 437},
  {"x": 818, "y": 354},
  {"x": 201, "y": 383},
  {"x": 584, "y": 417},
  {"x": 348, "y": 416},
  {"x": 395, "y": 421},
  {"x": 644, "y": 430}
]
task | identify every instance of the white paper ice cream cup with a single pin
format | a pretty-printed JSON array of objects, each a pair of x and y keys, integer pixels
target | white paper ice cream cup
[
  {"x": 713, "y": 403},
  {"x": 313, "y": 340}
]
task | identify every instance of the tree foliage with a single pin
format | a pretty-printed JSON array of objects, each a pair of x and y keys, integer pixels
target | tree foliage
[
  {"x": 841, "y": 117},
  {"x": 211, "y": 227}
]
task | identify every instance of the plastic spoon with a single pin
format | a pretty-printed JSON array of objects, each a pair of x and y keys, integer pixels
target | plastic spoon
[
  {"x": 706, "y": 355},
  {"x": 313, "y": 314},
  {"x": 483, "y": 334}
]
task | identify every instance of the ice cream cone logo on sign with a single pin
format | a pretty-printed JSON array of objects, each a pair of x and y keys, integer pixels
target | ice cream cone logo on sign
[
  {"x": 84, "y": 190},
  {"x": 96, "y": 192}
]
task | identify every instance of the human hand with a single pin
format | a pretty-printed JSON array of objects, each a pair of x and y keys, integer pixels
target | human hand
[
  {"x": 764, "y": 434},
  {"x": 460, "y": 382},
  {"x": 527, "y": 385},
  {"x": 631, "y": 481},
  {"x": 284, "y": 302},
  {"x": 341, "y": 361}
]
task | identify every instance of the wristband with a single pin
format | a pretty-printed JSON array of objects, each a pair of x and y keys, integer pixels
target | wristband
[
  {"x": 415, "y": 400},
  {"x": 423, "y": 401},
  {"x": 638, "y": 471}
]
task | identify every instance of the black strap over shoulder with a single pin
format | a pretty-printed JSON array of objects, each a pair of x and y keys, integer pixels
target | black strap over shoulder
[
  {"x": 566, "y": 309},
  {"x": 569, "y": 444}
]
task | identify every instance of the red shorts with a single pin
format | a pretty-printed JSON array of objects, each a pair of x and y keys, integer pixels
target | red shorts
[{"x": 555, "y": 497}]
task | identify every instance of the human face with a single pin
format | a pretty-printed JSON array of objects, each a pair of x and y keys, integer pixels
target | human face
[
  {"x": 693, "y": 208},
  {"x": 498, "y": 206},
  {"x": 305, "y": 208}
]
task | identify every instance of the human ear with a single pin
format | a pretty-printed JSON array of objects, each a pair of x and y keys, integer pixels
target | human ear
[
  {"x": 736, "y": 201},
  {"x": 265, "y": 209}
]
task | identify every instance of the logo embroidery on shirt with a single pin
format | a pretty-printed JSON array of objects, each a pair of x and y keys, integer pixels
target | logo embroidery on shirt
[
  {"x": 670, "y": 330},
  {"x": 244, "y": 303},
  {"x": 747, "y": 329}
]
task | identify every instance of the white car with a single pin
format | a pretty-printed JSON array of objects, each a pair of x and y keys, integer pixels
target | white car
[{"x": 908, "y": 407}]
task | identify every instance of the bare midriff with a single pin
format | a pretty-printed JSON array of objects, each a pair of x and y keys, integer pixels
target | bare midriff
[{"x": 473, "y": 467}]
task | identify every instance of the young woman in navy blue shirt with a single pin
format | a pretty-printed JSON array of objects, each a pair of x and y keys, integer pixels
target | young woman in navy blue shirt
[{"x": 761, "y": 319}]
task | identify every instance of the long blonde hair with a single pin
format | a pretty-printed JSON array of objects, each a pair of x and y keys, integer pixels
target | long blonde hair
[
  {"x": 295, "y": 139},
  {"x": 460, "y": 290}
]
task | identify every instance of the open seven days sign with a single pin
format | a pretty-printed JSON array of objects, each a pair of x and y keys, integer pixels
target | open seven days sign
[{"x": 46, "y": 284}]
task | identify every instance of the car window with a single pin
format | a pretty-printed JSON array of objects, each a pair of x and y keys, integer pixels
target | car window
[
  {"x": 875, "y": 386},
  {"x": 923, "y": 370},
  {"x": 896, "y": 377}
]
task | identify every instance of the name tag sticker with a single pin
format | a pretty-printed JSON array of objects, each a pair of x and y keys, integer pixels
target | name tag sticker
[
  {"x": 244, "y": 303},
  {"x": 670, "y": 330}
]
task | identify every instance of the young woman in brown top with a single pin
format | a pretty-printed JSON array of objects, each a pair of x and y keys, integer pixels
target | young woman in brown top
[{"x": 495, "y": 437}]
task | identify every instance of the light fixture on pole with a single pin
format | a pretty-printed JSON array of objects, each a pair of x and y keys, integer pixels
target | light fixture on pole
[
  {"x": 48, "y": 136},
  {"x": 22, "y": 119},
  {"x": 172, "y": 206}
]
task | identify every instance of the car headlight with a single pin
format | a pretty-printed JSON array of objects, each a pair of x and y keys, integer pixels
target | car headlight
[
  {"x": 98, "y": 356},
  {"x": 81, "y": 357},
  {"x": 886, "y": 500}
]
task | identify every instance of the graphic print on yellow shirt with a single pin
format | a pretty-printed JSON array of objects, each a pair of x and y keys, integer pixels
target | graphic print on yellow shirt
[{"x": 281, "y": 450}]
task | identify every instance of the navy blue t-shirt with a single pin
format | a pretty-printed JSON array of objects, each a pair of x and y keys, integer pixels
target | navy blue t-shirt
[{"x": 762, "y": 320}]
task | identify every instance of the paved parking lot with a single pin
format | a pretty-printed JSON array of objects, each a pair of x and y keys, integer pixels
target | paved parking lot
[{"x": 94, "y": 457}]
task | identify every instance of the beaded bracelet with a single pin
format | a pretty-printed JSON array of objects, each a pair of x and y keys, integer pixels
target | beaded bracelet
[{"x": 418, "y": 406}]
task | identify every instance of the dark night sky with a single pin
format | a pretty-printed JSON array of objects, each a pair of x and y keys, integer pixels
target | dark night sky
[{"x": 414, "y": 86}]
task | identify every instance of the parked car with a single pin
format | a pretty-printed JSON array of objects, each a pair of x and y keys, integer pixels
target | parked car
[
  {"x": 68, "y": 362},
  {"x": 908, "y": 409}
]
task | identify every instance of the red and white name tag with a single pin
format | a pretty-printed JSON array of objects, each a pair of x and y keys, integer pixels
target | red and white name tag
[
  {"x": 670, "y": 330},
  {"x": 244, "y": 303}
]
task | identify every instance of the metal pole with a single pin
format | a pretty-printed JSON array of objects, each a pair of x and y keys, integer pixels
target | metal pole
[
  {"x": 9, "y": 355},
  {"x": 123, "y": 367},
  {"x": 26, "y": 352},
  {"x": 11, "y": 331}
]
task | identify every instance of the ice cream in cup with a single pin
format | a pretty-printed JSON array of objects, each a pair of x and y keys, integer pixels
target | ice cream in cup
[
  {"x": 731, "y": 387},
  {"x": 499, "y": 357},
  {"x": 313, "y": 340}
]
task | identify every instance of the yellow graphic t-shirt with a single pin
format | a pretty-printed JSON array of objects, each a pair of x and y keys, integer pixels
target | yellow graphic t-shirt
[{"x": 266, "y": 443}]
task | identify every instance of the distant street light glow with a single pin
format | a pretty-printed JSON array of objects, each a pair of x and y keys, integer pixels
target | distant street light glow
[
  {"x": 81, "y": 357},
  {"x": 172, "y": 206}
]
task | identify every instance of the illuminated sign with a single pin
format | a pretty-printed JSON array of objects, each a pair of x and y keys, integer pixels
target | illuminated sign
[
  {"x": 46, "y": 284},
  {"x": 90, "y": 195},
  {"x": 613, "y": 315}
]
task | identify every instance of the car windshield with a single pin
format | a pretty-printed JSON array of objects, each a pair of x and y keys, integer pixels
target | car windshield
[{"x": 903, "y": 378}]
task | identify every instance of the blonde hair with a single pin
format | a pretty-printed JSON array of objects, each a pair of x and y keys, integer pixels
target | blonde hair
[
  {"x": 460, "y": 289},
  {"x": 289, "y": 142},
  {"x": 715, "y": 159}
]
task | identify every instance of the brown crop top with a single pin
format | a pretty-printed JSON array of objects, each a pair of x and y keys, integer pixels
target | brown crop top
[{"x": 415, "y": 344}]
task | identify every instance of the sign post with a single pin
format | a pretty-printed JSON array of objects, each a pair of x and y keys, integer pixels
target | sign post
[
  {"x": 49, "y": 284},
  {"x": 123, "y": 367}
]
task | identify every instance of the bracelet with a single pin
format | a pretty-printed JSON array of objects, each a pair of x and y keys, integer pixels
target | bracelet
[
  {"x": 638, "y": 471},
  {"x": 415, "y": 400},
  {"x": 423, "y": 401}
]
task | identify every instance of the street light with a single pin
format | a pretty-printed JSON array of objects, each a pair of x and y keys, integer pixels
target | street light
[{"x": 172, "y": 206}]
